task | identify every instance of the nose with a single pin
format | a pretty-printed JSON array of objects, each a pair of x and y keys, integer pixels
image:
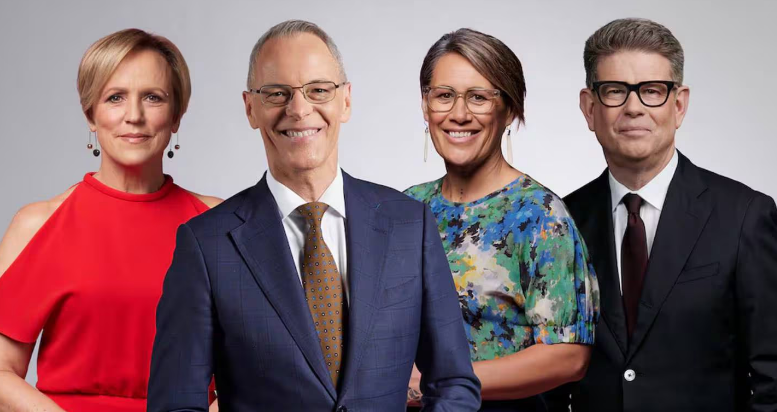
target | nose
[
  {"x": 298, "y": 107},
  {"x": 134, "y": 113},
  {"x": 633, "y": 106},
  {"x": 459, "y": 112}
]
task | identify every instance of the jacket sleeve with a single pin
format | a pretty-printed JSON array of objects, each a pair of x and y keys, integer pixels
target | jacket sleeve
[
  {"x": 756, "y": 287},
  {"x": 182, "y": 360},
  {"x": 448, "y": 382}
]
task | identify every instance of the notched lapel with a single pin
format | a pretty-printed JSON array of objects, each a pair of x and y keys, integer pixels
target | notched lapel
[
  {"x": 367, "y": 232},
  {"x": 685, "y": 213},
  {"x": 262, "y": 243},
  {"x": 601, "y": 234}
]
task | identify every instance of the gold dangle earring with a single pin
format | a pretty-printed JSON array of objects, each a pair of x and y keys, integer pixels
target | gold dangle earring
[
  {"x": 90, "y": 146},
  {"x": 426, "y": 143}
]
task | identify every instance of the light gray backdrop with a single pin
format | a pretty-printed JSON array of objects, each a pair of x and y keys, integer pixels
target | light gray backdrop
[{"x": 729, "y": 49}]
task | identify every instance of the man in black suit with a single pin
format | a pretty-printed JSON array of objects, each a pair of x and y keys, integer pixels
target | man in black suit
[{"x": 686, "y": 259}]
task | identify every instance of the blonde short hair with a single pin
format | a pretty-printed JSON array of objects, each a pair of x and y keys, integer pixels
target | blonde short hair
[{"x": 104, "y": 56}]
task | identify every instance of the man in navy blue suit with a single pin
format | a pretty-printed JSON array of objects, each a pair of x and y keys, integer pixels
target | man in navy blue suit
[{"x": 311, "y": 291}]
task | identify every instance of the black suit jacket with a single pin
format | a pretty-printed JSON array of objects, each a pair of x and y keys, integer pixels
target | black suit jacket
[{"x": 706, "y": 333}]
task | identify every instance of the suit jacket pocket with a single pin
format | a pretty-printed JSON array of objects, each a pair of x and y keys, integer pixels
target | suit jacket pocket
[
  {"x": 399, "y": 289},
  {"x": 698, "y": 272}
]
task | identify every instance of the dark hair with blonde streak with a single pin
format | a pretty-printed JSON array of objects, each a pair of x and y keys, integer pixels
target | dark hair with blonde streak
[
  {"x": 104, "y": 56},
  {"x": 490, "y": 57}
]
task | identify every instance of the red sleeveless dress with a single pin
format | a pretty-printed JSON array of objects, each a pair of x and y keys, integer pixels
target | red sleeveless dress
[{"x": 90, "y": 279}]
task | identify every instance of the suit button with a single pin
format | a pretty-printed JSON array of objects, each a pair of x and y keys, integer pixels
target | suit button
[
  {"x": 342, "y": 409},
  {"x": 629, "y": 375}
]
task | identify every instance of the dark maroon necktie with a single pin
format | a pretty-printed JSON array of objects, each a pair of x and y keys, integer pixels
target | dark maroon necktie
[{"x": 634, "y": 259}]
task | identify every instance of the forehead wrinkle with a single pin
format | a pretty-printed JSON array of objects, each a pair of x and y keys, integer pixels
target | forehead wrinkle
[
  {"x": 458, "y": 73},
  {"x": 134, "y": 73},
  {"x": 295, "y": 61},
  {"x": 634, "y": 67}
]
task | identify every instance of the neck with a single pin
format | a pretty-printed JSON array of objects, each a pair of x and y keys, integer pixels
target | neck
[
  {"x": 635, "y": 175},
  {"x": 141, "y": 179},
  {"x": 307, "y": 184},
  {"x": 466, "y": 184}
]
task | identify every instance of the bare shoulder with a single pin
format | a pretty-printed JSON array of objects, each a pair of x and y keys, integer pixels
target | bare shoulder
[
  {"x": 210, "y": 201},
  {"x": 24, "y": 225}
]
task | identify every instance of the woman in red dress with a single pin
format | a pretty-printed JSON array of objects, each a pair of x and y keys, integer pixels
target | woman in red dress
[{"x": 86, "y": 267}]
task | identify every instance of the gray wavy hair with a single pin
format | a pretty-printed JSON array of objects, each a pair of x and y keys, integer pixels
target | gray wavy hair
[{"x": 632, "y": 34}]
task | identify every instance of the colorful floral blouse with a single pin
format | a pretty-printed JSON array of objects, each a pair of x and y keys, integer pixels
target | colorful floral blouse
[{"x": 520, "y": 266}]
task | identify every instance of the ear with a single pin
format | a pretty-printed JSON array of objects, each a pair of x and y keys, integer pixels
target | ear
[
  {"x": 90, "y": 120},
  {"x": 587, "y": 103},
  {"x": 248, "y": 100},
  {"x": 424, "y": 109},
  {"x": 681, "y": 104},
  {"x": 511, "y": 117},
  {"x": 346, "y": 115},
  {"x": 176, "y": 124}
]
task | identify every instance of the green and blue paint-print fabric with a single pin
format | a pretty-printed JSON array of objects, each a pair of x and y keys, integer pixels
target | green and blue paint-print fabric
[{"x": 520, "y": 266}]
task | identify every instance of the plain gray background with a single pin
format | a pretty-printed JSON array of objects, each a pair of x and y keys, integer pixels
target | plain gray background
[{"x": 730, "y": 60}]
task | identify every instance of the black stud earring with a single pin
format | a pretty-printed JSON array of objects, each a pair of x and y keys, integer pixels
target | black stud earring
[{"x": 90, "y": 146}]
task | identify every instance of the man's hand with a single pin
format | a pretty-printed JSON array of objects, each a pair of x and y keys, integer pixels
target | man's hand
[{"x": 414, "y": 388}]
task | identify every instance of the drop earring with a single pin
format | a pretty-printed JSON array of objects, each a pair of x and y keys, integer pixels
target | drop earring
[
  {"x": 177, "y": 146},
  {"x": 90, "y": 146},
  {"x": 426, "y": 143}
]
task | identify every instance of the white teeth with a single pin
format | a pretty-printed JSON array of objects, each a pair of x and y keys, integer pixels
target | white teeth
[
  {"x": 460, "y": 134},
  {"x": 309, "y": 132}
]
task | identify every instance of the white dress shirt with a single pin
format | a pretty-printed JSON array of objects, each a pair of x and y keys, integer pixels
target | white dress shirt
[
  {"x": 332, "y": 224},
  {"x": 653, "y": 194}
]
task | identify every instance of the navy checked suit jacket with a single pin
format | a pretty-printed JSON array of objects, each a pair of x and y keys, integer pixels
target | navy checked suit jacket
[{"x": 233, "y": 306}]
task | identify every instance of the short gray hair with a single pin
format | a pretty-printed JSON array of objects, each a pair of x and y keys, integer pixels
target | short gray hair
[
  {"x": 636, "y": 35},
  {"x": 290, "y": 28}
]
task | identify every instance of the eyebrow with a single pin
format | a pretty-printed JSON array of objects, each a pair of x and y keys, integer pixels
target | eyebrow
[
  {"x": 466, "y": 90},
  {"x": 114, "y": 90},
  {"x": 312, "y": 81}
]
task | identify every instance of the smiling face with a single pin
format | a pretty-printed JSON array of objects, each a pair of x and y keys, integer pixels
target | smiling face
[
  {"x": 300, "y": 136},
  {"x": 133, "y": 116},
  {"x": 463, "y": 139},
  {"x": 634, "y": 134}
]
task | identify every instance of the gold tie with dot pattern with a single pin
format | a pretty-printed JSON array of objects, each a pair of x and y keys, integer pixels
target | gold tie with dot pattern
[{"x": 323, "y": 289}]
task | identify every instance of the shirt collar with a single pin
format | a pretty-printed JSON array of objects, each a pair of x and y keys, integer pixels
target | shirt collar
[
  {"x": 653, "y": 193},
  {"x": 288, "y": 201}
]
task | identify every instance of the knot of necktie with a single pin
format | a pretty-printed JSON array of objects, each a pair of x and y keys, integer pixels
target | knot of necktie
[
  {"x": 633, "y": 202},
  {"x": 313, "y": 212}
]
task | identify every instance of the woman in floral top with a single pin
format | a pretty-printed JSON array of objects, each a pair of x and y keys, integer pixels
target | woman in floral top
[{"x": 528, "y": 293}]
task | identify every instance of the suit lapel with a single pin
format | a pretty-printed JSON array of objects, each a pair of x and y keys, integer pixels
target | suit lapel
[
  {"x": 262, "y": 242},
  {"x": 683, "y": 217},
  {"x": 599, "y": 227},
  {"x": 367, "y": 233}
]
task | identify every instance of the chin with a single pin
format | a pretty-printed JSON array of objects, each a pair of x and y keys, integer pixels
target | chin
[{"x": 137, "y": 159}]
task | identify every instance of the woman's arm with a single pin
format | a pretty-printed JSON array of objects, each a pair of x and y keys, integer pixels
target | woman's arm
[
  {"x": 532, "y": 371},
  {"x": 16, "y": 395}
]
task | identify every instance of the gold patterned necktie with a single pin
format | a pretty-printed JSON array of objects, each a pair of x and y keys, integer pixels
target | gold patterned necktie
[{"x": 323, "y": 289}]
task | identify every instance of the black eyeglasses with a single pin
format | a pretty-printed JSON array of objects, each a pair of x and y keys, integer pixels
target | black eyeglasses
[
  {"x": 652, "y": 93},
  {"x": 281, "y": 94}
]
